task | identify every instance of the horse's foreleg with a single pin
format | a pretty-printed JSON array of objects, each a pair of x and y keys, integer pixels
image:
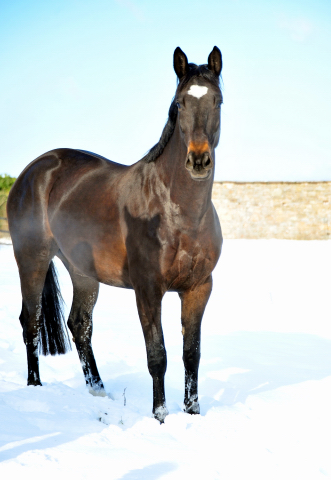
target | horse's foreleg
[
  {"x": 149, "y": 309},
  {"x": 193, "y": 306},
  {"x": 80, "y": 324}
]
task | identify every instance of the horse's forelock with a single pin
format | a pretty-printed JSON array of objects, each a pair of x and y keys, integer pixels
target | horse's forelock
[{"x": 198, "y": 71}]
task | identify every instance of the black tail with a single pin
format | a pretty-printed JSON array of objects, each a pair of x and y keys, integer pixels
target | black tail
[{"x": 54, "y": 337}]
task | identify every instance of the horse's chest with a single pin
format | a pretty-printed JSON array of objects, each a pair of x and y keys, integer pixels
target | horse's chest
[
  {"x": 189, "y": 266},
  {"x": 162, "y": 249}
]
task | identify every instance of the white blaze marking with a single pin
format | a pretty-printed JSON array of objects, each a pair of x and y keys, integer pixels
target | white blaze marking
[{"x": 197, "y": 91}]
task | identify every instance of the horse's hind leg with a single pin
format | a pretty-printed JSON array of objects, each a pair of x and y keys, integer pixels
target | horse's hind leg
[
  {"x": 85, "y": 294},
  {"x": 193, "y": 306},
  {"x": 32, "y": 275},
  {"x": 31, "y": 337}
]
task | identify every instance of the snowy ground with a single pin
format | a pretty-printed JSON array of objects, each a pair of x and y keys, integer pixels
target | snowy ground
[{"x": 264, "y": 384}]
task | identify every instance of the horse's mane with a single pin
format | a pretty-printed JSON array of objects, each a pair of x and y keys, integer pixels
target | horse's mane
[{"x": 195, "y": 71}]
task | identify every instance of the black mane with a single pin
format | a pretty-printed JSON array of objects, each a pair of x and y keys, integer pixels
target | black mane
[
  {"x": 166, "y": 134},
  {"x": 195, "y": 71}
]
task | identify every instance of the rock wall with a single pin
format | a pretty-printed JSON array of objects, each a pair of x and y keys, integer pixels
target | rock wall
[{"x": 296, "y": 211}]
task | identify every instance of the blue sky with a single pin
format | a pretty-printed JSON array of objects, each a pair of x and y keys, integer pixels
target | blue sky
[{"x": 97, "y": 75}]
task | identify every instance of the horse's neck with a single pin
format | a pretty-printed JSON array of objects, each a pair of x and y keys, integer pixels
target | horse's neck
[{"x": 193, "y": 197}]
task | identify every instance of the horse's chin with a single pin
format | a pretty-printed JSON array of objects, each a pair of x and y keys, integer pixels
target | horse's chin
[{"x": 200, "y": 177}]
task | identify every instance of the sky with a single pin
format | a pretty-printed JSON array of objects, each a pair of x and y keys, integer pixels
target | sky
[{"x": 98, "y": 75}]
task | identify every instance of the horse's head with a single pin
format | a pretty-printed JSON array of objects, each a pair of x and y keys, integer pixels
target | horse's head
[{"x": 198, "y": 99}]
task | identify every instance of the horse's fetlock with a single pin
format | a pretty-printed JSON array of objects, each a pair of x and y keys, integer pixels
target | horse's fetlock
[
  {"x": 160, "y": 413},
  {"x": 192, "y": 406}
]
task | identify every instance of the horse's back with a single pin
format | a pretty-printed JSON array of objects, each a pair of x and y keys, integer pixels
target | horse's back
[
  {"x": 61, "y": 165},
  {"x": 58, "y": 200}
]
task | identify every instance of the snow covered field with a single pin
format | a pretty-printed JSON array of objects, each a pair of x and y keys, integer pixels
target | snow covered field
[{"x": 264, "y": 381}]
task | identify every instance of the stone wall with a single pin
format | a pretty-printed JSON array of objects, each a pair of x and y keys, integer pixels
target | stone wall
[{"x": 296, "y": 211}]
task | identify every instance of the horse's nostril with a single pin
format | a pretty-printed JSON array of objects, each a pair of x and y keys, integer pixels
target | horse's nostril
[
  {"x": 190, "y": 161},
  {"x": 206, "y": 160},
  {"x": 206, "y": 163}
]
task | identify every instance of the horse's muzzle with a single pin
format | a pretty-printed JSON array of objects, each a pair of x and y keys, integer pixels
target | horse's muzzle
[{"x": 199, "y": 165}]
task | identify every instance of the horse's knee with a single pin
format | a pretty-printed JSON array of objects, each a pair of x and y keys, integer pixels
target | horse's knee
[
  {"x": 157, "y": 362},
  {"x": 191, "y": 359}
]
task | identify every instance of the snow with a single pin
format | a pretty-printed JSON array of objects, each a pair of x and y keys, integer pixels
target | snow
[{"x": 264, "y": 380}]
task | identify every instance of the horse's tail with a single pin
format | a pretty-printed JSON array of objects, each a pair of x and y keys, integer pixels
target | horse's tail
[{"x": 54, "y": 337}]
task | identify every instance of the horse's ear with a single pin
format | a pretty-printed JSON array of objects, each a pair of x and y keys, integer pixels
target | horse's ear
[
  {"x": 215, "y": 61},
  {"x": 180, "y": 63}
]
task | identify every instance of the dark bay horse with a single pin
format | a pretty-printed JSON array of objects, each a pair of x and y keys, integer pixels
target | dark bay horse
[{"x": 150, "y": 226}]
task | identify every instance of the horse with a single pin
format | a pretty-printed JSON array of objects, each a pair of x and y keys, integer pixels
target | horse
[{"x": 150, "y": 226}]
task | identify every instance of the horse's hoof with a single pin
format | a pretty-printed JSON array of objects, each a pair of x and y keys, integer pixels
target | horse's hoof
[
  {"x": 98, "y": 392},
  {"x": 34, "y": 382},
  {"x": 193, "y": 408},
  {"x": 160, "y": 413}
]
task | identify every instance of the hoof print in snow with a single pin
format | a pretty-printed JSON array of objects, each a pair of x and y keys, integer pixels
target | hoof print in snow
[{"x": 104, "y": 418}]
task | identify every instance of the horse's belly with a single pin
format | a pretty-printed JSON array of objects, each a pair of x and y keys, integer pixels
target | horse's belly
[
  {"x": 98, "y": 254},
  {"x": 103, "y": 265},
  {"x": 111, "y": 265}
]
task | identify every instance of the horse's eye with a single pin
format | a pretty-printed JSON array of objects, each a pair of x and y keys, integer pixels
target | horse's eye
[
  {"x": 178, "y": 105},
  {"x": 218, "y": 105}
]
